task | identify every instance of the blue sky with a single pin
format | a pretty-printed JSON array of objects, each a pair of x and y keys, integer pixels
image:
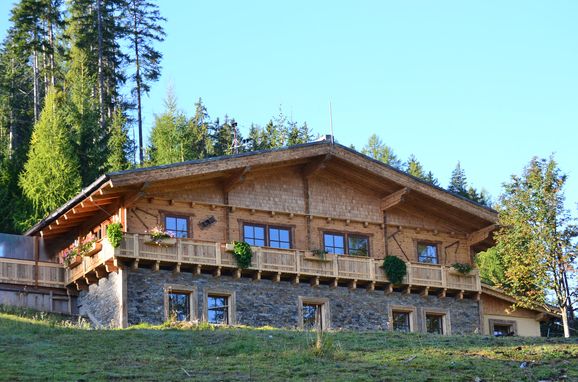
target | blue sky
[{"x": 489, "y": 83}]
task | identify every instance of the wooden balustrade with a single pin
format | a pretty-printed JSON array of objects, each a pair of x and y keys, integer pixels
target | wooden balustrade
[
  {"x": 28, "y": 272},
  {"x": 295, "y": 262}
]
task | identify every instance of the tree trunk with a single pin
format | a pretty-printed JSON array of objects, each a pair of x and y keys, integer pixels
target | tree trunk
[
  {"x": 36, "y": 86},
  {"x": 138, "y": 89},
  {"x": 100, "y": 64},
  {"x": 51, "y": 54},
  {"x": 564, "y": 312}
]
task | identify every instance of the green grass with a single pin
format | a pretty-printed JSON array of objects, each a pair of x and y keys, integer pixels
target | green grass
[{"x": 44, "y": 347}]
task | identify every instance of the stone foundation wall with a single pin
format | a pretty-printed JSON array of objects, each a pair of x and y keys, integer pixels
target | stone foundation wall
[
  {"x": 102, "y": 302},
  {"x": 264, "y": 302}
]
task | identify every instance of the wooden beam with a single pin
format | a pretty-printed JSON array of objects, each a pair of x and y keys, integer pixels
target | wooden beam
[
  {"x": 90, "y": 279},
  {"x": 217, "y": 272},
  {"x": 442, "y": 293},
  {"x": 407, "y": 290},
  {"x": 236, "y": 179},
  {"x": 424, "y": 292},
  {"x": 197, "y": 269},
  {"x": 134, "y": 264},
  {"x": 257, "y": 276},
  {"x": 314, "y": 166},
  {"x": 296, "y": 279},
  {"x": 156, "y": 266},
  {"x": 110, "y": 266},
  {"x": 277, "y": 277},
  {"x": 371, "y": 286},
  {"x": 237, "y": 274},
  {"x": 353, "y": 284},
  {"x": 177, "y": 268},
  {"x": 394, "y": 199},
  {"x": 461, "y": 295},
  {"x": 315, "y": 281},
  {"x": 389, "y": 289},
  {"x": 335, "y": 283},
  {"x": 481, "y": 235},
  {"x": 81, "y": 284}
]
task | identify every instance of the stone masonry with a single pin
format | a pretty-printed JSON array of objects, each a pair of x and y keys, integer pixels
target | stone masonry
[{"x": 267, "y": 303}]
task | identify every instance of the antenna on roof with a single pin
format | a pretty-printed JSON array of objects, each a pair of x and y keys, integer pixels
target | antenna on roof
[{"x": 331, "y": 122}]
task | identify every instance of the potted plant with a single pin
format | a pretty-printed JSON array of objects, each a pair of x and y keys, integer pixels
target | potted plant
[
  {"x": 243, "y": 254},
  {"x": 317, "y": 254},
  {"x": 158, "y": 236},
  {"x": 395, "y": 269},
  {"x": 70, "y": 257},
  {"x": 114, "y": 234},
  {"x": 461, "y": 269}
]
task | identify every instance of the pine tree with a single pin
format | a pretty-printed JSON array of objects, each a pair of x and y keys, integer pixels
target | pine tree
[
  {"x": 51, "y": 174},
  {"x": 197, "y": 142},
  {"x": 82, "y": 116},
  {"x": 414, "y": 168},
  {"x": 377, "y": 150},
  {"x": 223, "y": 135},
  {"x": 431, "y": 179},
  {"x": 458, "y": 182},
  {"x": 120, "y": 146},
  {"x": 535, "y": 240},
  {"x": 143, "y": 24},
  {"x": 167, "y": 143}
]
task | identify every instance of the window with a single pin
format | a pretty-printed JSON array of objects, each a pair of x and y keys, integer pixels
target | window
[
  {"x": 178, "y": 225},
  {"x": 342, "y": 243},
  {"x": 434, "y": 323},
  {"x": 267, "y": 236},
  {"x": 218, "y": 309},
  {"x": 401, "y": 321},
  {"x": 358, "y": 245},
  {"x": 334, "y": 243},
  {"x": 314, "y": 313},
  {"x": 427, "y": 253},
  {"x": 180, "y": 302},
  {"x": 279, "y": 238},
  {"x": 179, "y": 306},
  {"x": 501, "y": 328}
]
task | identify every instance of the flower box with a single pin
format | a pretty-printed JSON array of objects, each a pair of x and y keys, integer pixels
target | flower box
[
  {"x": 229, "y": 247},
  {"x": 310, "y": 256},
  {"x": 162, "y": 242},
  {"x": 94, "y": 248},
  {"x": 75, "y": 262}
]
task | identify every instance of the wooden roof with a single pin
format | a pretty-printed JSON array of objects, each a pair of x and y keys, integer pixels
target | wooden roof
[{"x": 395, "y": 187}]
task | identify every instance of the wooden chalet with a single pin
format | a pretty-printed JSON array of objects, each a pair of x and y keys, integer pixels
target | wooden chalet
[{"x": 291, "y": 205}]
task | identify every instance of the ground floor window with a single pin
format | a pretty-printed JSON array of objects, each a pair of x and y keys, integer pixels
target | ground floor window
[
  {"x": 434, "y": 323},
  {"x": 401, "y": 321},
  {"x": 180, "y": 302},
  {"x": 313, "y": 313},
  {"x": 502, "y": 328},
  {"x": 219, "y": 307}
]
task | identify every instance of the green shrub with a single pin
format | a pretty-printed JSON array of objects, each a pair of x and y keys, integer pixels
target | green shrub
[
  {"x": 462, "y": 268},
  {"x": 243, "y": 254},
  {"x": 395, "y": 269},
  {"x": 114, "y": 234}
]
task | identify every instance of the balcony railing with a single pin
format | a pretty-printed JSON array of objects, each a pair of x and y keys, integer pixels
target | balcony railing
[
  {"x": 279, "y": 261},
  {"x": 28, "y": 272}
]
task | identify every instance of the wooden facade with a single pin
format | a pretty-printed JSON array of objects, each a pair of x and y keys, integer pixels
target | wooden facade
[{"x": 310, "y": 192}]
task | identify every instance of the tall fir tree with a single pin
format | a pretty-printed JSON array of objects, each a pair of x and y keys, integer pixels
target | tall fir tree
[
  {"x": 223, "y": 135},
  {"x": 376, "y": 149},
  {"x": 51, "y": 174},
  {"x": 414, "y": 168},
  {"x": 197, "y": 143},
  {"x": 144, "y": 30},
  {"x": 167, "y": 144},
  {"x": 458, "y": 181},
  {"x": 120, "y": 146},
  {"x": 82, "y": 116}
]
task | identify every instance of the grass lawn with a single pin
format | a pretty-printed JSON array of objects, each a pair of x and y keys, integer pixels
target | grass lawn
[{"x": 44, "y": 348}]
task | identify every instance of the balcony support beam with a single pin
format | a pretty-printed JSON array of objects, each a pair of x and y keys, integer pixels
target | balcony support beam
[
  {"x": 424, "y": 292},
  {"x": 442, "y": 293},
  {"x": 389, "y": 288},
  {"x": 315, "y": 281},
  {"x": 156, "y": 266}
]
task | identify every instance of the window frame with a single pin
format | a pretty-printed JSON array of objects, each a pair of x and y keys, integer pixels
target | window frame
[
  {"x": 266, "y": 227},
  {"x": 182, "y": 289},
  {"x": 443, "y": 313},
  {"x": 411, "y": 310},
  {"x": 324, "y": 305},
  {"x": 231, "y": 303},
  {"x": 511, "y": 323},
  {"x": 428, "y": 243},
  {"x": 346, "y": 236},
  {"x": 170, "y": 214}
]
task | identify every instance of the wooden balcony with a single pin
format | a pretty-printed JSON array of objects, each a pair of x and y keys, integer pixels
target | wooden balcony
[
  {"x": 276, "y": 264},
  {"x": 29, "y": 272}
]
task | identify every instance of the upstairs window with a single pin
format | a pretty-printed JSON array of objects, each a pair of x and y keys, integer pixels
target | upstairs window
[
  {"x": 178, "y": 225},
  {"x": 427, "y": 253},
  {"x": 267, "y": 236},
  {"x": 345, "y": 243}
]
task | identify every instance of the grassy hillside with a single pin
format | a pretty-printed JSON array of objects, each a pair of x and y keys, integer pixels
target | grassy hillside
[{"x": 45, "y": 348}]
